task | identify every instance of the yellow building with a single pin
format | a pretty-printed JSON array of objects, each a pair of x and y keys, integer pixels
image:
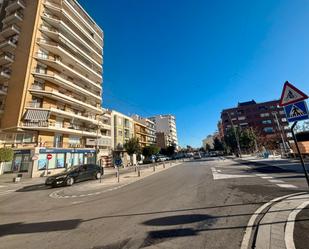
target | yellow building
[
  {"x": 140, "y": 133},
  {"x": 123, "y": 130},
  {"x": 50, "y": 84}
]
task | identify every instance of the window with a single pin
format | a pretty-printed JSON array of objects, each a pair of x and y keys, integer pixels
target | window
[
  {"x": 242, "y": 118},
  {"x": 283, "y": 120},
  {"x": 268, "y": 121},
  {"x": 268, "y": 129},
  {"x": 120, "y": 133},
  {"x": 58, "y": 139},
  {"x": 119, "y": 121},
  {"x": 282, "y": 112},
  {"x": 262, "y": 108},
  {"x": 263, "y": 115},
  {"x": 74, "y": 140}
]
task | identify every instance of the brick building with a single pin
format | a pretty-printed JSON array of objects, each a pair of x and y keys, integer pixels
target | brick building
[{"x": 266, "y": 119}]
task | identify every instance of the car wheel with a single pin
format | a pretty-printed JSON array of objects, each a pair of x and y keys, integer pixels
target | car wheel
[
  {"x": 98, "y": 175},
  {"x": 70, "y": 181}
]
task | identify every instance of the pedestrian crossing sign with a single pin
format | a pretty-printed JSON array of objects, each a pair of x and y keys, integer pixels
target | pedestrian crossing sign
[
  {"x": 297, "y": 111},
  {"x": 291, "y": 94}
]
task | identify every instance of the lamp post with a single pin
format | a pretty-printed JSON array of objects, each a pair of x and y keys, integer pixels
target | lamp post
[
  {"x": 235, "y": 134},
  {"x": 280, "y": 131}
]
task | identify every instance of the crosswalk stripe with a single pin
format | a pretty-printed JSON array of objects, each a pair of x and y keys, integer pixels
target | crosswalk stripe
[{"x": 286, "y": 186}]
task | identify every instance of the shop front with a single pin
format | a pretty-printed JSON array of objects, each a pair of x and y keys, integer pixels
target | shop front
[
  {"x": 52, "y": 161},
  {"x": 21, "y": 162}
]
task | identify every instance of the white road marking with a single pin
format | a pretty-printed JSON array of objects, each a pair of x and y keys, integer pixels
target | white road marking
[
  {"x": 289, "y": 229},
  {"x": 266, "y": 177},
  {"x": 275, "y": 181},
  {"x": 246, "y": 239},
  {"x": 261, "y": 175},
  {"x": 286, "y": 186},
  {"x": 219, "y": 176},
  {"x": 7, "y": 192}
]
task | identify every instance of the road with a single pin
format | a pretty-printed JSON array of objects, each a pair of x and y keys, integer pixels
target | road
[{"x": 198, "y": 204}]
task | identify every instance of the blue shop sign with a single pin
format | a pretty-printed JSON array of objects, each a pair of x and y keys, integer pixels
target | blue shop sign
[
  {"x": 22, "y": 152},
  {"x": 43, "y": 151}
]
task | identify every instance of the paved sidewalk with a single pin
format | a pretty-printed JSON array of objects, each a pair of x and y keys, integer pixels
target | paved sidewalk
[{"x": 276, "y": 229}]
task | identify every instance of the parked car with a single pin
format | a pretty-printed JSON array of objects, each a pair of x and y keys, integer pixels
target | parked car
[
  {"x": 150, "y": 159},
  {"x": 75, "y": 174},
  {"x": 197, "y": 156},
  {"x": 161, "y": 158}
]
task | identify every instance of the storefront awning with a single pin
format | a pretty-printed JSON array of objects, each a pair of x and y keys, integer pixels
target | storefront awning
[{"x": 37, "y": 115}]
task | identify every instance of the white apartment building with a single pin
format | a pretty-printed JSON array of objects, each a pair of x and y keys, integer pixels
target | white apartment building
[{"x": 167, "y": 125}]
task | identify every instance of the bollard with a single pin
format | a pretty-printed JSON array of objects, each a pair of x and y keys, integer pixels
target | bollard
[
  {"x": 154, "y": 167},
  {"x": 163, "y": 165},
  {"x": 118, "y": 175},
  {"x": 138, "y": 172}
]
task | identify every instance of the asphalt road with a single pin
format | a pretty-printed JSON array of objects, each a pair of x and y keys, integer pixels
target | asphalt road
[{"x": 198, "y": 204}]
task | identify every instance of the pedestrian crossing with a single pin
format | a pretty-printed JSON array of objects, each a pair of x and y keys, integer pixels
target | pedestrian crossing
[{"x": 219, "y": 174}]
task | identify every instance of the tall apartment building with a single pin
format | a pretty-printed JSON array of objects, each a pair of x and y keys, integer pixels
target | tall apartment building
[
  {"x": 267, "y": 120},
  {"x": 123, "y": 128},
  {"x": 50, "y": 83},
  {"x": 167, "y": 125},
  {"x": 145, "y": 130}
]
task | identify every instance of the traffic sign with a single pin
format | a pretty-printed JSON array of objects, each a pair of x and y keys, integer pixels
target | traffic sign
[
  {"x": 118, "y": 162},
  {"x": 291, "y": 94},
  {"x": 297, "y": 111},
  {"x": 49, "y": 156},
  {"x": 35, "y": 157}
]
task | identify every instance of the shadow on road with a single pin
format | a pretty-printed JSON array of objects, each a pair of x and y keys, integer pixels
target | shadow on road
[
  {"x": 35, "y": 187},
  {"x": 177, "y": 220},
  {"x": 40, "y": 227}
]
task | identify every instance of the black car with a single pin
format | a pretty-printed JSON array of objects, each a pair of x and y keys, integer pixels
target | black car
[{"x": 75, "y": 174}]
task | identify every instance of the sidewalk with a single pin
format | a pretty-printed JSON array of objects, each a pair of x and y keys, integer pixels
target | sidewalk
[{"x": 289, "y": 165}]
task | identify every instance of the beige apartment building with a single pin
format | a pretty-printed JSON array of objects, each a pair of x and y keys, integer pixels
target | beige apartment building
[
  {"x": 50, "y": 85},
  {"x": 123, "y": 127}
]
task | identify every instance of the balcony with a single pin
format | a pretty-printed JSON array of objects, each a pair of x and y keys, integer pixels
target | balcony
[
  {"x": 65, "y": 113},
  {"x": 8, "y": 45},
  {"x": 65, "y": 98},
  {"x": 75, "y": 23},
  {"x": 6, "y": 58},
  {"x": 85, "y": 19},
  {"x": 5, "y": 73},
  {"x": 51, "y": 126},
  {"x": 14, "y": 17},
  {"x": 70, "y": 59},
  {"x": 75, "y": 38},
  {"x": 3, "y": 90},
  {"x": 15, "y": 5},
  {"x": 70, "y": 84},
  {"x": 56, "y": 63},
  {"x": 10, "y": 31},
  {"x": 55, "y": 35}
]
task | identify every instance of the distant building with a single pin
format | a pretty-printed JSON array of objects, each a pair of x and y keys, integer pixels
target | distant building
[
  {"x": 144, "y": 130},
  {"x": 163, "y": 140},
  {"x": 209, "y": 140},
  {"x": 267, "y": 120},
  {"x": 167, "y": 125}
]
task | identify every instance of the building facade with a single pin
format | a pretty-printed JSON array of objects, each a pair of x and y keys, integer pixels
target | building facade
[
  {"x": 145, "y": 130},
  {"x": 50, "y": 84},
  {"x": 167, "y": 125},
  {"x": 266, "y": 119},
  {"x": 163, "y": 141},
  {"x": 208, "y": 142},
  {"x": 123, "y": 130}
]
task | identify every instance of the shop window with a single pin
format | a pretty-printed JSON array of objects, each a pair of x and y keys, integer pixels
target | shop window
[{"x": 60, "y": 161}]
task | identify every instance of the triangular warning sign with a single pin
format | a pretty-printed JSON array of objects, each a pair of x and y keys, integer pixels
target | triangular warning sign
[
  {"x": 291, "y": 94},
  {"x": 296, "y": 112}
]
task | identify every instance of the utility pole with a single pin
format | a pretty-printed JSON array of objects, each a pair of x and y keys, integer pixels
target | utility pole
[
  {"x": 280, "y": 131},
  {"x": 235, "y": 134}
]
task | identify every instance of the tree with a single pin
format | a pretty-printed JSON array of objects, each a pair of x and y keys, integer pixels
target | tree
[
  {"x": 247, "y": 139},
  {"x": 231, "y": 140},
  {"x": 132, "y": 146},
  {"x": 208, "y": 147},
  {"x": 218, "y": 145},
  {"x": 6, "y": 154},
  {"x": 150, "y": 150},
  {"x": 170, "y": 150}
]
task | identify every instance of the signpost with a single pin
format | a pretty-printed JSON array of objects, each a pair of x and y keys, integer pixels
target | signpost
[
  {"x": 48, "y": 157},
  {"x": 118, "y": 163},
  {"x": 295, "y": 108}
]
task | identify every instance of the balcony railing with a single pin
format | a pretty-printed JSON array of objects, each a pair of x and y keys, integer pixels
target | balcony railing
[
  {"x": 15, "y": 5},
  {"x": 34, "y": 104},
  {"x": 70, "y": 83}
]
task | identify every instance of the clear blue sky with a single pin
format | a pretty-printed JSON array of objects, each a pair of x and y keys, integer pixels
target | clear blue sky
[{"x": 193, "y": 58}]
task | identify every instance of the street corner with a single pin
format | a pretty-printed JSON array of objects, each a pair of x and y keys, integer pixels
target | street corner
[{"x": 279, "y": 224}]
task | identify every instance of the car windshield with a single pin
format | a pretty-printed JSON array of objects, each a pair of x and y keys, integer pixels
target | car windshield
[{"x": 72, "y": 168}]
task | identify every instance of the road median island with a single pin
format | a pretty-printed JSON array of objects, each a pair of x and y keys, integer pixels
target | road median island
[{"x": 109, "y": 182}]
